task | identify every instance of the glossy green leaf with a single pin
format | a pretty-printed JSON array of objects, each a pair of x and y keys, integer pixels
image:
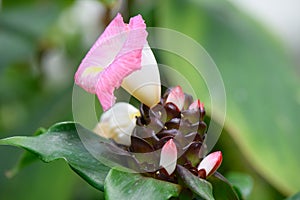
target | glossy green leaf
[
  {"x": 199, "y": 186},
  {"x": 26, "y": 158},
  {"x": 261, "y": 82},
  {"x": 62, "y": 141},
  {"x": 242, "y": 182},
  {"x": 123, "y": 185},
  {"x": 222, "y": 189}
]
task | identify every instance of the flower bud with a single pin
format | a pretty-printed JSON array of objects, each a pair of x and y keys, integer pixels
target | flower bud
[
  {"x": 176, "y": 96},
  {"x": 168, "y": 156},
  {"x": 211, "y": 163},
  {"x": 118, "y": 123}
]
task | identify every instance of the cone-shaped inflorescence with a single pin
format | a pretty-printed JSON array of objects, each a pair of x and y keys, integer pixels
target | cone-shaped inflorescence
[{"x": 165, "y": 121}]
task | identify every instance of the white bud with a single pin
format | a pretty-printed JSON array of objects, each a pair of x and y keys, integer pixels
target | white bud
[{"x": 118, "y": 123}]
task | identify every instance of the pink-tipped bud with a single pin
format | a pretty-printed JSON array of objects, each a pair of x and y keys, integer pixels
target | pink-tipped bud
[
  {"x": 211, "y": 163},
  {"x": 176, "y": 97},
  {"x": 197, "y": 105},
  {"x": 168, "y": 156}
]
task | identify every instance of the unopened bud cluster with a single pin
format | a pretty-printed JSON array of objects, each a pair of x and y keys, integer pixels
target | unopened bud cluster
[{"x": 165, "y": 121}]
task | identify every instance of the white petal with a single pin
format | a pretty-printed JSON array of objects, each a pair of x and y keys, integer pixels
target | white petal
[
  {"x": 168, "y": 156},
  {"x": 118, "y": 123},
  {"x": 144, "y": 84}
]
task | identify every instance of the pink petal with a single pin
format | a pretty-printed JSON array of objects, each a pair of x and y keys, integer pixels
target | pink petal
[
  {"x": 116, "y": 54},
  {"x": 168, "y": 156},
  {"x": 176, "y": 97},
  {"x": 211, "y": 163},
  {"x": 112, "y": 77},
  {"x": 197, "y": 105},
  {"x": 101, "y": 54}
]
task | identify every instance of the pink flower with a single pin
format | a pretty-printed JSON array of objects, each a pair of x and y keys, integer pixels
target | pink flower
[
  {"x": 168, "y": 156},
  {"x": 116, "y": 54},
  {"x": 211, "y": 163},
  {"x": 176, "y": 97}
]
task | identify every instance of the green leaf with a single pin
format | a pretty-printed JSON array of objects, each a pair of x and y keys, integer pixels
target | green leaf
[
  {"x": 260, "y": 78},
  {"x": 199, "y": 186},
  {"x": 26, "y": 158},
  {"x": 62, "y": 141},
  {"x": 222, "y": 189},
  {"x": 294, "y": 197},
  {"x": 242, "y": 182},
  {"x": 123, "y": 185}
]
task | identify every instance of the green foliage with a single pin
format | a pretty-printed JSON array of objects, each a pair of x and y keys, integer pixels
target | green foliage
[
  {"x": 62, "y": 141},
  {"x": 27, "y": 102},
  {"x": 199, "y": 186},
  {"x": 26, "y": 159},
  {"x": 122, "y": 185},
  {"x": 222, "y": 189},
  {"x": 242, "y": 182}
]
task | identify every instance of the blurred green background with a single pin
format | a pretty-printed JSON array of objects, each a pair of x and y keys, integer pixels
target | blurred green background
[{"x": 43, "y": 41}]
